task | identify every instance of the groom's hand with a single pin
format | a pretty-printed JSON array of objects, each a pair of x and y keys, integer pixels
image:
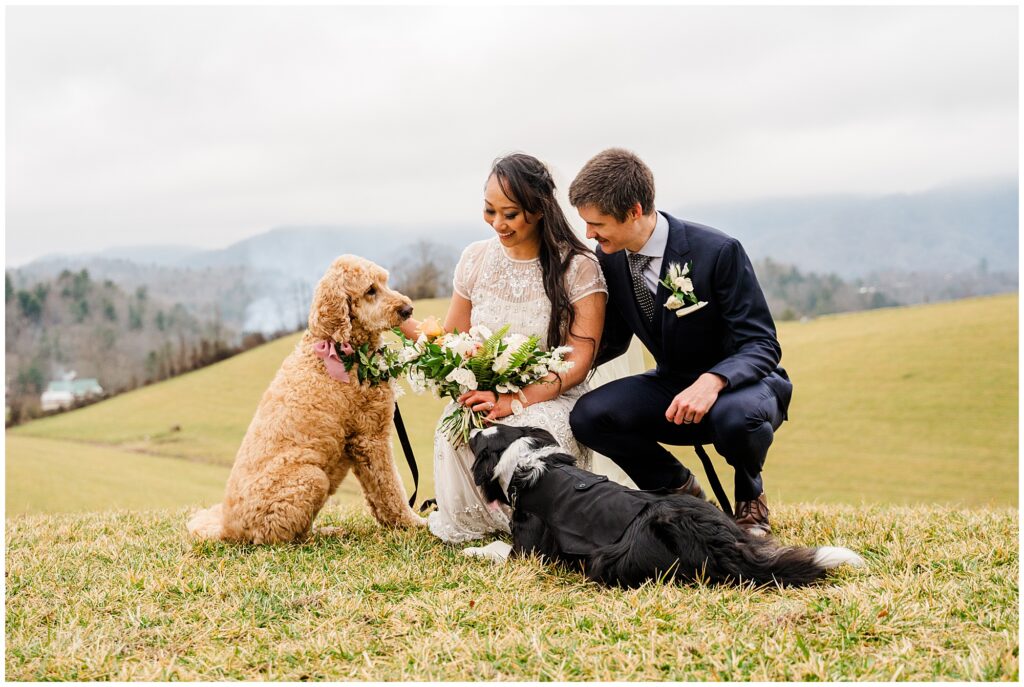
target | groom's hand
[{"x": 692, "y": 403}]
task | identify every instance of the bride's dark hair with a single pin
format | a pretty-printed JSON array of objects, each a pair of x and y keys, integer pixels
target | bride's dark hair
[{"x": 525, "y": 180}]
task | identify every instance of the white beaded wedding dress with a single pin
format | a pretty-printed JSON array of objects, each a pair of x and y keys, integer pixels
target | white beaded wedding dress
[{"x": 504, "y": 291}]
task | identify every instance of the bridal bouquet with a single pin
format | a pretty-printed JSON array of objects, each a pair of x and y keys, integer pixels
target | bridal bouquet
[{"x": 453, "y": 363}]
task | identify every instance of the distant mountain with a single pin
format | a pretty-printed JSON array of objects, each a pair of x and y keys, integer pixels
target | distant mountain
[
  {"x": 304, "y": 253},
  {"x": 169, "y": 255},
  {"x": 943, "y": 230},
  {"x": 264, "y": 283}
]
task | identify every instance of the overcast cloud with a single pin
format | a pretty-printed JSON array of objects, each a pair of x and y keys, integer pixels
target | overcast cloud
[{"x": 201, "y": 126}]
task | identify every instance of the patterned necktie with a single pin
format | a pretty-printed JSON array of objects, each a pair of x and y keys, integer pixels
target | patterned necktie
[{"x": 644, "y": 297}]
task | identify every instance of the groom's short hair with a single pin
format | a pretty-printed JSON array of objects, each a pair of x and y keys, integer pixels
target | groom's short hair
[{"x": 613, "y": 181}]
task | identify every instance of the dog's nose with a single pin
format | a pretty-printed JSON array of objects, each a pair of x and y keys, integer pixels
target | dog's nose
[{"x": 405, "y": 311}]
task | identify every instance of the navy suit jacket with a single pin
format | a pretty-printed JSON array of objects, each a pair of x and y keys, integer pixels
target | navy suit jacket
[{"x": 732, "y": 336}]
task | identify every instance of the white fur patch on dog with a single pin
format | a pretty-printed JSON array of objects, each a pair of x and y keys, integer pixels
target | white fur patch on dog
[
  {"x": 520, "y": 455},
  {"x": 496, "y": 551},
  {"x": 829, "y": 557}
]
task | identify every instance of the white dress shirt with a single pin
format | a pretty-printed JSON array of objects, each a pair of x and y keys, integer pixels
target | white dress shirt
[{"x": 655, "y": 248}]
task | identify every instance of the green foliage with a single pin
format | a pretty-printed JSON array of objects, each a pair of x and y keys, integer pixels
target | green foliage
[
  {"x": 74, "y": 285},
  {"x": 8, "y": 287},
  {"x": 376, "y": 367},
  {"x": 135, "y": 315},
  {"x": 483, "y": 361},
  {"x": 793, "y": 294},
  {"x": 109, "y": 311},
  {"x": 80, "y": 310},
  {"x": 31, "y": 379},
  {"x": 523, "y": 354},
  {"x": 30, "y": 305}
]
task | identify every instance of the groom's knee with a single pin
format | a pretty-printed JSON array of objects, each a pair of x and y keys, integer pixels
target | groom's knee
[
  {"x": 742, "y": 432},
  {"x": 588, "y": 417}
]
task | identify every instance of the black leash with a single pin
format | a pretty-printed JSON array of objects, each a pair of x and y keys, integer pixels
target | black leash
[
  {"x": 403, "y": 438},
  {"x": 716, "y": 486}
]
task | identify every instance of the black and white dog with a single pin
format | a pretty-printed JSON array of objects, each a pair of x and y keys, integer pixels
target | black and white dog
[{"x": 621, "y": 536}]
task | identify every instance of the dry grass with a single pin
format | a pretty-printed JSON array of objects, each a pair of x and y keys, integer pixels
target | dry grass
[{"x": 124, "y": 596}]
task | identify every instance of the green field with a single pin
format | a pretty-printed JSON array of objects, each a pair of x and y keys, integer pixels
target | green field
[
  {"x": 905, "y": 406},
  {"x": 894, "y": 406}
]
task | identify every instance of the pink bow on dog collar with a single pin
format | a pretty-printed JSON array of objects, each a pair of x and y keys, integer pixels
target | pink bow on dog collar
[{"x": 324, "y": 350}]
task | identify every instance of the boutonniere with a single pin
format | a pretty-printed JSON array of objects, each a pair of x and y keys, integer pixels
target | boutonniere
[{"x": 683, "y": 300}]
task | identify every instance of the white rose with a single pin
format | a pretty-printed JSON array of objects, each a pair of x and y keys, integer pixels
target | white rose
[
  {"x": 515, "y": 341},
  {"x": 408, "y": 354},
  {"x": 673, "y": 303},
  {"x": 683, "y": 284},
  {"x": 500, "y": 363},
  {"x": 463, "y": 377},
  {"x": 460, "y": 345},
  {"x": 480, "y": 332},
  {"x": 561, "y": 366}
]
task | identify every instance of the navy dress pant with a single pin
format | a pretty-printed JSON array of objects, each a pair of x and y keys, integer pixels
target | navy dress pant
[{"x": 625, "y": 420}]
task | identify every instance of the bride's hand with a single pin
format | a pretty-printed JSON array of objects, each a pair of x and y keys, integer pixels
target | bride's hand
[
  {"x": 487, "y": 401},
  {"x": 503, "y": 408},
  {"x": 479, "y": 400}
]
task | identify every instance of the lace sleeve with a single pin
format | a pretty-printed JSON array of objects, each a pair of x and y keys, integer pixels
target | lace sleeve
[
  {"x": 585, "y": 277},
  {"x": 467, "y": 269}
]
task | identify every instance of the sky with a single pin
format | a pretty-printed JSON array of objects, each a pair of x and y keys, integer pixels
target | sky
[{"x": 206, "y": 125}]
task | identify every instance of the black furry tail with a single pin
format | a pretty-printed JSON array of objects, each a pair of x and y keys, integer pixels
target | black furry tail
[{"x": 763, "y": 562}]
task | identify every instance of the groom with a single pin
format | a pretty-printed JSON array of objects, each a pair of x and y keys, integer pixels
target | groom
[{"x": 717, "y": 378}]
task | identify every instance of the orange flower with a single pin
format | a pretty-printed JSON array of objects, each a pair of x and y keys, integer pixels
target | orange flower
[{"x": 431, "y": 328}]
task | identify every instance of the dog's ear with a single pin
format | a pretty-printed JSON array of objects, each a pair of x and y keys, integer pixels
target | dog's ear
[
  {"x": 329, "y": 316},
  {"x": 541, "y": 437},
  {"x": 486, "y": 459}
]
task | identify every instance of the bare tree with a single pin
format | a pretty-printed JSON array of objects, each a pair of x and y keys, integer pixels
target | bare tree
[{"x": 424, "y": 270}]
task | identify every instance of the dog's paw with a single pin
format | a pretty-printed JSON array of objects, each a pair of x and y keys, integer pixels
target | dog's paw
[
  {"x": 496, "y": 551},
  {"x": 415, "y": 521}
]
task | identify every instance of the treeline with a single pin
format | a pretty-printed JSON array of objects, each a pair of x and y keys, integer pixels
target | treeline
[
  {"x": 425, "y": 271},
  {"x": 96, "y": 329},
  {"x": 792, "y": 294}
]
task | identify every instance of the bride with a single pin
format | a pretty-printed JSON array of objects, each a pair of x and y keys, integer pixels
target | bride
[{"x": 538, "y": 277}]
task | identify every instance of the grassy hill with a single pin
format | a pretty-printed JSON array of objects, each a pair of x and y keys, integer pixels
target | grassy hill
[
  {"x": 898, "y": 406},
  {"x": 124, "y": 596}
]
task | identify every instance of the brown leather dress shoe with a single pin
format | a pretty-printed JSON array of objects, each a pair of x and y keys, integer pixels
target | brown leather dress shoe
[
  {"x": 752, "y": 516},
  {"x": 691, "y": 487}
]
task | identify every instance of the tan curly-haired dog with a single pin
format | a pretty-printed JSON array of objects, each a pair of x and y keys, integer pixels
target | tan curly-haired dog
[{"x": 311, "y": 429}]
